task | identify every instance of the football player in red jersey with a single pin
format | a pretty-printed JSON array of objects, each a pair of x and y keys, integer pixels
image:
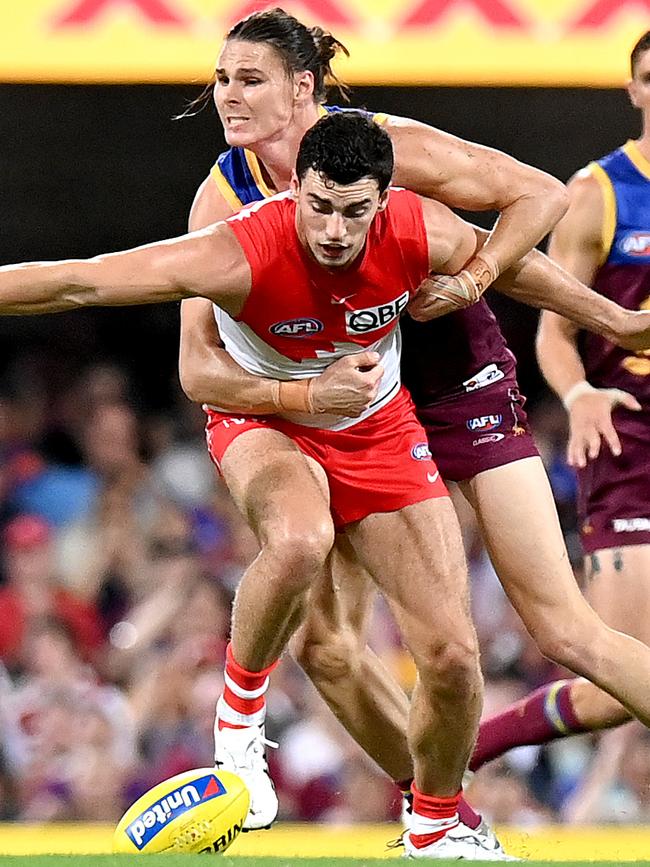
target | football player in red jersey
[
  {"x": 269, "y": 88},
  {"x": 350, "y": 257}
]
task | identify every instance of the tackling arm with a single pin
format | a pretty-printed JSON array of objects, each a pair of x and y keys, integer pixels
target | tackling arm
[{"x": 464, "y": 175}]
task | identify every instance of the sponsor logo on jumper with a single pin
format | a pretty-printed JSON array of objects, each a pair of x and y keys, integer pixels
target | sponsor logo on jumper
[
  {"x": 484, "y": 377},
  {"x": 631, "y": 525},
  {"x": 433, "y": 477},
  {"x": 372, "y": 318},
  {"x": 484, "y": 422},
  {"x": 421, "y": 452},
  {"x": 143, "y": 829},
  {"x": 635, "y": 244},
  {"x": 489, "y": 438},
  {"x": 296, "y": 327}
]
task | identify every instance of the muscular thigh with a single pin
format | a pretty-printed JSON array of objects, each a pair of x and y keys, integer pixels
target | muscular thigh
[
  {"x": 617, "y": 585},
  {"x": 516, "y": 512},
  {"x": 273, "y": 483},
  {"x": 416, "y": 558}
]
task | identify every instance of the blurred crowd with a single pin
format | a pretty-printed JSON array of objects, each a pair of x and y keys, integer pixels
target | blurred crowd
[{"x": 121, "y": 552}]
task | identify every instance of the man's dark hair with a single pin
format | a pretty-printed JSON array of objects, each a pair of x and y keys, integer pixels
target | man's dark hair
[
  {"x": 300, "y": 48},
  {"x": 346, "y": 146},
  {"x": 640, "y": 48}
]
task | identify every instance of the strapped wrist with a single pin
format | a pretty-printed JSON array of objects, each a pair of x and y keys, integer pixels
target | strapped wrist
[
  {"x": 576, "y": 391},
  {"x": 484, "y": 270},
  {"x": 293, "y": 395}
]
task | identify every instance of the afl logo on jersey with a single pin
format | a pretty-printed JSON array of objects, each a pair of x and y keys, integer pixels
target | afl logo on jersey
[
  {"x": 372, "y": 318},
  {"x": 635, "y": 244},
  {"x": 421, "y": 452},
  {"x": 296, "y": 327}
]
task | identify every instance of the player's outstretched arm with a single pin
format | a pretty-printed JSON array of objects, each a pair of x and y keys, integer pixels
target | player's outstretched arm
[
  {"x": 464, "y": 175},
  {"x": 209, "y": 263}
]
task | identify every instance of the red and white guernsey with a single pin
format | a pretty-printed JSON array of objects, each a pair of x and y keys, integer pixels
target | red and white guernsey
[{"x": 300, "y": 317}]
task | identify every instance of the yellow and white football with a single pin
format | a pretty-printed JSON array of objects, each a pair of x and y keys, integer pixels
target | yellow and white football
[{"x": 196, "y": 811}]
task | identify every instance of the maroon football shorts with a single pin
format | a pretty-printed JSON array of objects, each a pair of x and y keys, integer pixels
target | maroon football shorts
[
  {"x": 614, "y": 493},
  {"x": 478, "y": 430},
  {"x": 380, "y": 464}
]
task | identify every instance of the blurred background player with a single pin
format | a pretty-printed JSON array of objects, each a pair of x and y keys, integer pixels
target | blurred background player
[{"x": 604, "y": 240}]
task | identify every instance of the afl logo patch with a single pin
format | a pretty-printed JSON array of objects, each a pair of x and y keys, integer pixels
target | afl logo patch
[
  {"x": 421, "y": 452},
  {"x": 296, "y": 327},
  {"x": 635, "y": 244},
  {"x": 484, "y": 422}
]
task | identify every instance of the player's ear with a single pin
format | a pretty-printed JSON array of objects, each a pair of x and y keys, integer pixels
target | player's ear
[
  {"x": 383, "y": 201},
  {"x": 631, "y": 91},
  {"x": 303, "y": 85},
  {"x": 294, "y": 185}
]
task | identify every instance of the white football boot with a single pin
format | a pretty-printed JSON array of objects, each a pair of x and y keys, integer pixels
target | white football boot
[
  {"x": 483, "y": 831},
  {"x": 461, "y": 844},
  {"x": 242, "y": 751}
]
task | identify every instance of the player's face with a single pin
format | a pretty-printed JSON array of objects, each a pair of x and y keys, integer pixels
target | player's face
[
  {"x": 253, "y": 93},
  {"x": 639, "y": 87},
  {"x": 333, "y": 219}
]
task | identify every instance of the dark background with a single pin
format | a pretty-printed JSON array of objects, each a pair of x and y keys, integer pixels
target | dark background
[{"x": 87, "y": 169}]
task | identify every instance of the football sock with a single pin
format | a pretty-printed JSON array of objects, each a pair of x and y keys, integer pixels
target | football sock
[
  {"x": 468, "y": 816},
  {"x": 242, "y": 703},
  {"x": 432, "y": 817},
  {"x": 543, "y": 716}
]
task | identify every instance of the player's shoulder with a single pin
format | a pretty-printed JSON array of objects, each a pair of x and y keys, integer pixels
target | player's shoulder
[
  {"x": 267, "y": 211},
  {"x": 585, "y": 187},
  {"x": 209, "y": 206}
]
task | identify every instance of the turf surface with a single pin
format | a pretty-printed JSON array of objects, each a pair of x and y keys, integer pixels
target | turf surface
[{"x": 225, "y": 861}]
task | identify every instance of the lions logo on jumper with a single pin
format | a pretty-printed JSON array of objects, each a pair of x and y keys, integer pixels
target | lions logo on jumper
[
  {"x": 148, "y": 824},
  {"x": 372, "y": 318},
  {"x": 484, "y": 422},
  {"x": 421, "y": 452},
  {"x": 296, "y": 327},
  {"x": 635, "y": 244}
]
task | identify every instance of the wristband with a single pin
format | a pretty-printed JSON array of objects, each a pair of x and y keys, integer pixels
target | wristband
[
  {"x": 576, "y": 391},
  {"x": 293, "y": 395}
]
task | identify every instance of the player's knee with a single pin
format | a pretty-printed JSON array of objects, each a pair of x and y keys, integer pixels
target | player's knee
[
  {"x": 299, "y": 552},
  {"x": 325, "y": 657},
  {"x": 567, "y": 644},
  {"x": 450, "y": 666}
]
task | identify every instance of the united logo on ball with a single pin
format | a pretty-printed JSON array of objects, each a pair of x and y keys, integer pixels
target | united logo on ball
[{"x": 197, "y": 811}]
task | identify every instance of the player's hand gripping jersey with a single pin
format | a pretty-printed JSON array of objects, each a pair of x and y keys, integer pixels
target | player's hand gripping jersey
[{"x": 300, "y": 317}]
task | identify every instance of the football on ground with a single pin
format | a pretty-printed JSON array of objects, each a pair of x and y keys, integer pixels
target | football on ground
[{"x": 197, "y": 811}]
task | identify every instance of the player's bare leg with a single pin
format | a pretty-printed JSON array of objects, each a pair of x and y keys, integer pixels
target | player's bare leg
[
  {"x": 519, "y": 523},
  {"x": 284, "y": 497},
  {"x": 364, "y": 695},
  {"x": 416, "y": 557},
  {"x": 332, "y": 649},
  {"x": 618, "y": 587}
]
